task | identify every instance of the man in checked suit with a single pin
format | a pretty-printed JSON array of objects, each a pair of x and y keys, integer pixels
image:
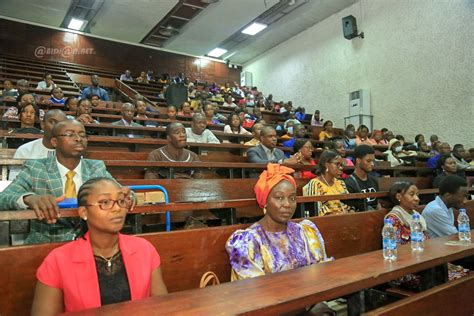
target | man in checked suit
[{"x": 42, "y": 181}]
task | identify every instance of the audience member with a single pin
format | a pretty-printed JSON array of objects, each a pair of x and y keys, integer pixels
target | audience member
[
  {"x": 229, "y": 102},
  {"x": 256, "y": 129},
  {"x": 171, "y": 112},
  {"x": 316, "y": 119},
  {"x": 423, "y": 150},
  {"x": 57, "y": 96},
  {"x": 83, "y": 113},
  {"x": 362, "y": 136},
  {"x": 198, "y": 133},
  {"x": 303, "y": 149},
  {"x": 140, "y": 106},
  {"x": 174, "y": 151},
  {"x": 299, "y": 131},
  {"x": 41, "y": 147},
  {"x": 377, "y": 138},
  {"x": 114, "y": 267},
  {"x": 71, "y": 104},
  {"x": 349, "y": 139},
  {"x": 211, "y": 117},
  {"x": 404, "y": 195},
  {"x": 185, "y": 110},
  {"x": 47, "y": 83},
  {"x": 300, "y": 114},
  {"x": 142, "y": 78},
  {"x": 439, "y": 213},
  {"x": 41, "y": 182},
  {"x": 471, "y": 153},
  {"x": 275, "y": 243},
  {"x": 266, "y": 151},
  {"x": 446, "y": 167},
  {"x": 458, "y": 156},
  {"x": 330, "y": 166},
  {"x": 128, "y": 113},
  {"x": 234, "y": 126},
  {"x": 338, "y": 146},
  {"x": 443, "y": 149},
  {"x": 9, "y": 93},
  {"x": 433, "y": 138},
  {"x": 397, "y": 156},
  {"x": 95, "y": 89},
  {"x": 327, "y": 131},
  {"x": 28, "y": 116},
  {"x": 127, "y": 76},
  {"x": 361, "y": 181},
  {"x": 21, "y": 101},
  {"x": 95, "y": 101}
]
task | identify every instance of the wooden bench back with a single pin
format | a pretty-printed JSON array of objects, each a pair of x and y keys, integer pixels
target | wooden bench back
[{"x": 185, "y": 255}]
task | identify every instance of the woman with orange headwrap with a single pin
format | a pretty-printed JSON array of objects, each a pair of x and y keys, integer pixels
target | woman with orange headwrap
[{"x": 275, "y": 243}]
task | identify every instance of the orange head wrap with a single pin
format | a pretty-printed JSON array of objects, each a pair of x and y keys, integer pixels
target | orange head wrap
[{"x": 269, "y": 178}]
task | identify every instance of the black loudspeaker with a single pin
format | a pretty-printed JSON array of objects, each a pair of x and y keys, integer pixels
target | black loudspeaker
[{"x": 349, "y": 27}]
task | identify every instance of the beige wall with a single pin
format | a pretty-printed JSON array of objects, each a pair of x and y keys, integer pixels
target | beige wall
[{"x": 416, "y": 60}]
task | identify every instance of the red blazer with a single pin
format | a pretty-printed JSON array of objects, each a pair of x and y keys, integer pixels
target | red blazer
[{"x": 72, "y": 269}]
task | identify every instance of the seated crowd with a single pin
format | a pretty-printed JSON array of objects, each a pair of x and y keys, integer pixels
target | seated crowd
[{"x": 117, "y": 267}]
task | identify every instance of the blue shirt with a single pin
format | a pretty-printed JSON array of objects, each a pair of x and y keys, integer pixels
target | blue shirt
[
  {"x": 90, "y": 91},
  {"x": 439, "y": 219},
  {"x": 433, "y": 162},
  {"x": 300, "y": 116},
  {"x": 289, "y": 144}
]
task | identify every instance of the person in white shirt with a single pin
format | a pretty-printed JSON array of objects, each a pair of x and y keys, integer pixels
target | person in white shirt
[
  {"x": 198, "y": 133},
  {"x": 228, "y": 102},
  {"x": 41, "y": 147},
  {"x": 47, "y": 83}
]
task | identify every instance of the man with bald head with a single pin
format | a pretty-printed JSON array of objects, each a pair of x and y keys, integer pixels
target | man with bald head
[
  {"x": 267, "y": 152},
  {"x": 41, "y": 147},
  {"x": 41, "y": 182},
  {"x": 128, "y": 113},
  {"x": 95, "y": 89},
  {"x": 174, "y": 151},
  {"x": 198, "y": 133}
]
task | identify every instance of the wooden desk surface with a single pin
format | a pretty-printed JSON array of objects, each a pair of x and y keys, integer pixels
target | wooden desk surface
[{"x": 290, "y": 290}]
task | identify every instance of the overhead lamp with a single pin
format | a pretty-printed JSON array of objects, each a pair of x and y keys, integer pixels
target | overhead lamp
[
  {"x": 217, "y": 52},
  {"x": 76, "y": 24},
  {"x": 254, "y": 28}
]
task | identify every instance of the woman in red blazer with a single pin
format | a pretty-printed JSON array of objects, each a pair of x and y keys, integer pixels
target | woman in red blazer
[{"x": 102, "y": 266}]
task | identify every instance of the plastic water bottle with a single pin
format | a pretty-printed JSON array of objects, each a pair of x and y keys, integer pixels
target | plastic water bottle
[
  {"x": 463, "y": 226},
  {"x": 416, "y": 236},
  {"x": 389, "y": 241}
]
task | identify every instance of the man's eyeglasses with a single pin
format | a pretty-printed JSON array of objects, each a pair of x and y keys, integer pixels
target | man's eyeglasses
[
  {"x": 108, "y": 204},
  {"x": 73, "y": 135}
]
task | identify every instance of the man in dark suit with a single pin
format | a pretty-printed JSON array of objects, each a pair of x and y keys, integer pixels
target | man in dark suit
[
  {"x": 41, "y": 182},
  {"x": 267, "y": 152}
]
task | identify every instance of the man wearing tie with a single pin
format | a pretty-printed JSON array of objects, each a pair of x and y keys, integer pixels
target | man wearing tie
[{"x": 41, "y": 182}]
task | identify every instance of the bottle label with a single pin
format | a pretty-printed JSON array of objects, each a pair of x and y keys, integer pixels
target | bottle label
[
  {"x": 464, "y": 227},
  {"x": 389, "y": 244},
  {"x": 417, "y": 236}
]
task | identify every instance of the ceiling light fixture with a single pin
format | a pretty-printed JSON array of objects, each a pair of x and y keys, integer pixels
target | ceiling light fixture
[
  {"x": 217, "y": 52},
  {"x": 254, "y": 28},
  {"x": 76, "y": 24}
]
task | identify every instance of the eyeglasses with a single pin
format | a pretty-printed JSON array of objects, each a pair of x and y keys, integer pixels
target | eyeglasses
[
  {"x": 73, "y": 135},
  {"x": 338, "y": 164},
  {"x": 108, "y": 204}
]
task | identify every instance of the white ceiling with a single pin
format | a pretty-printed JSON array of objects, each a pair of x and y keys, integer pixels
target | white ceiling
[{"x": 131, "y": 20}]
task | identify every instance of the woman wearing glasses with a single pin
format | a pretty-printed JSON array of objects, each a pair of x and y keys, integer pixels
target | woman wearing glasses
[
  {"x": 330, "y": 167},
  {"x": 101, "y": 266}
]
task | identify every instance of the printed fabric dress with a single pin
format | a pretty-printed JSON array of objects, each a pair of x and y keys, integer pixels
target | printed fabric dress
[
  {"x": 316, "y": 187},
  {"x": 255, "y": 252}
]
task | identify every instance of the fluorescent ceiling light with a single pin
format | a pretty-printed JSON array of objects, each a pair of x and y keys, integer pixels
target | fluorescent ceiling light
[
  {"x": 217, "y": 52},
  {"x": 254, "y": 28},
  {"x": 76, "y": 24}
]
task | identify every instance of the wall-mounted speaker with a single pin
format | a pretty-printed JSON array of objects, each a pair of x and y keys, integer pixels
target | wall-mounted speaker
[{"x": 349, "y": 27}]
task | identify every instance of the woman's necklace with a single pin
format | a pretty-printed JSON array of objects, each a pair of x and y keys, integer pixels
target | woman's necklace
[
  {"x": 325, "y": 181},
  {"x": 109, "y": 261}
]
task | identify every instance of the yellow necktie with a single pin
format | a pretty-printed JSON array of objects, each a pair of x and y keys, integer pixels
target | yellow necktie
[{"x": 70, "y": 187}]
